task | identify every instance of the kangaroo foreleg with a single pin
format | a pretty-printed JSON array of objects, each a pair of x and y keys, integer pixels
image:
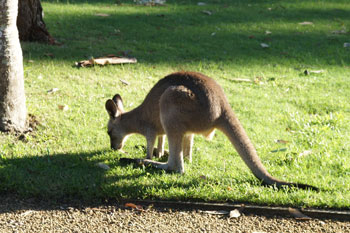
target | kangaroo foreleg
[
  {"x": 151, "y": 139},
  {"x": 187, "y": 146},
  {"x": 161, "y": 143}
]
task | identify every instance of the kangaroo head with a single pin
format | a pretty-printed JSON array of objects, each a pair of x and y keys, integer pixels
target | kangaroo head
[{"x": 115, "y": 127}]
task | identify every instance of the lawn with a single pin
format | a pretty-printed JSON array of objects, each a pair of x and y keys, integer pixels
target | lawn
[{"x": 299, "y": 123}]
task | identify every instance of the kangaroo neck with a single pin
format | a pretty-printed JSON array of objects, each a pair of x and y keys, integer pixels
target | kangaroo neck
[{"x": 132, "y": 121}]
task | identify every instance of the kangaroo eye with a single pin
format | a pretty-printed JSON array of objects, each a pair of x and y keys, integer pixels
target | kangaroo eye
[{"x": 109, "y": 132}]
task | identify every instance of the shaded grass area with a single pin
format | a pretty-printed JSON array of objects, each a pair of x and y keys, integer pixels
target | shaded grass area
[
  {"x": 311, "y": 113},
  {"x": 181, "y": 33}
]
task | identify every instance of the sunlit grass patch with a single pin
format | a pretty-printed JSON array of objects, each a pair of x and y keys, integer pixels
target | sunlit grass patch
[{"x": 299, "y": 122}]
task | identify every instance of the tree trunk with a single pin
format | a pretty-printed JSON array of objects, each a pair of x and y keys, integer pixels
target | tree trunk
[
  {"x": 30, "y": 22},
  {"x": 13, "y": 112}
]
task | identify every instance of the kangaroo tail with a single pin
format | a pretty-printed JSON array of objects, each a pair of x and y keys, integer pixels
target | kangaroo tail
[{"x": 232, "y": 128}]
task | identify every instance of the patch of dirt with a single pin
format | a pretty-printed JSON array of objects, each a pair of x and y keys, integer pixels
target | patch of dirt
[
  {"x": 31, "y": 216},
  {"x": 33, "y": 123}
]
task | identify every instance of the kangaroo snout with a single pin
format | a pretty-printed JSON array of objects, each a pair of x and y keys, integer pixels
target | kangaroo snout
[{"x": 116, "y": 147}]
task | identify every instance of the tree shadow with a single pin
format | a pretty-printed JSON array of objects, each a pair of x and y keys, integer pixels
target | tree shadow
[
  {"x": 185, "y": 34},
  {"x": 56, "y": 176}
]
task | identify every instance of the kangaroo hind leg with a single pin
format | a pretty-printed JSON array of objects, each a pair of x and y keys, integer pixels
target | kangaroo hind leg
[{"x": 178, "y": 111}]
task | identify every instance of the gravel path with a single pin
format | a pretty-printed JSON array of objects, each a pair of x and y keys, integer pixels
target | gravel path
[{"x": 30, "y": 216}]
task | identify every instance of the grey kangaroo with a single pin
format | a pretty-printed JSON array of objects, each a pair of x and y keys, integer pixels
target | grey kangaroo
[{"x": 178, "y": 106}]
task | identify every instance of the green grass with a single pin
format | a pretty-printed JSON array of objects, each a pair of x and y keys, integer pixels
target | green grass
[{"x": 58, "y": 161}]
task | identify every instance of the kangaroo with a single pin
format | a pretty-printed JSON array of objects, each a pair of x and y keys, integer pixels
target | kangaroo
[
  {"x": 147, "y": 128},
  {"x": 178, "y": 106},
  {"x": 119, "y": 130}
]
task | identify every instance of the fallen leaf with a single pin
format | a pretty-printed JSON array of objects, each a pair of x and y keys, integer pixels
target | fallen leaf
[
  {"x": 241, "y": 80},
  {"x": 102, "y": 15},
  {"x": 40, "y": 76},
  {"x": 278, "y": 150},
  {"x": 63, "y": 107},
  {"x": 213, "y": 34},
  {"x": 343, "y": 31},
  {"x": 133, "y": 206},
  {"x": 203, "y": 177},
  {"x": 298, "y": 215},
  {"x": 30, "y": 61},
  {"x": 207, "y": 12},
  {"x": 151, "y": 2},
  {"x": 304, "y": 153},
  {"x": 103, "y": 166},
  {"x": 235, "y": 213},
  {"x": 116, "y": 32},
  {"x": 53, "y": 90},
  {"x": 229, "y": 188},
  {"x": 27, "y": 213},
  {"x": 124, "y": 82},
  {"x": 201, "y": 4},
  {"x": 107, "y": 60},
  {"x": 281, "y": 141},
  {"x": 268, "y": 32},
  {"x": 306, "y": 23},
  {"x": 216, "y": 212},
  {"x": 263, "y": 45},
  {"x": 316, "y": 71},
  {"x": 308, "y": 72},
  {"x": 346, "y": 45}
]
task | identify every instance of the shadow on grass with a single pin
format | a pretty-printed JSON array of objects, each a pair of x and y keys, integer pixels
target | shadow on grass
[
  {"x": 57, "y": 176},
  {"x": 74, "y": 178},
  {"x": 184, "y": 34}
]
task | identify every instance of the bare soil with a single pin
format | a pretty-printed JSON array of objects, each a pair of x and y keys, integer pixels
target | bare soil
[{"x": 18, "y": 215}]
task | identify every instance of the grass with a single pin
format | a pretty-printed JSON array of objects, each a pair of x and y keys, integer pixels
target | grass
[{"x": 311, "y": 112}]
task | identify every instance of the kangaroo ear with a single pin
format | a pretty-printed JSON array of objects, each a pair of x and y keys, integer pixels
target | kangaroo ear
[
  {"x": 117, "y": 99},
  {"x": 111, "y": 108}
]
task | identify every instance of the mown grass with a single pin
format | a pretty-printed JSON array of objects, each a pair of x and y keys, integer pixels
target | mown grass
[{"x": 311, "y": 112}]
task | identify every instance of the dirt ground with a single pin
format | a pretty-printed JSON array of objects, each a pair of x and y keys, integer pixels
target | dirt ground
[{"x": 33, "y": 216}]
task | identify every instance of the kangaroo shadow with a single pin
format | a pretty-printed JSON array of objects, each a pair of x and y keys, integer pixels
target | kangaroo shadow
[{"x": 74, "y": 178}]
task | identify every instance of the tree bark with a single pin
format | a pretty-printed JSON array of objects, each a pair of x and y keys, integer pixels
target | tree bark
[
  {"x": 30, "y": 23},
  {"x": 13, "y": 111}
]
